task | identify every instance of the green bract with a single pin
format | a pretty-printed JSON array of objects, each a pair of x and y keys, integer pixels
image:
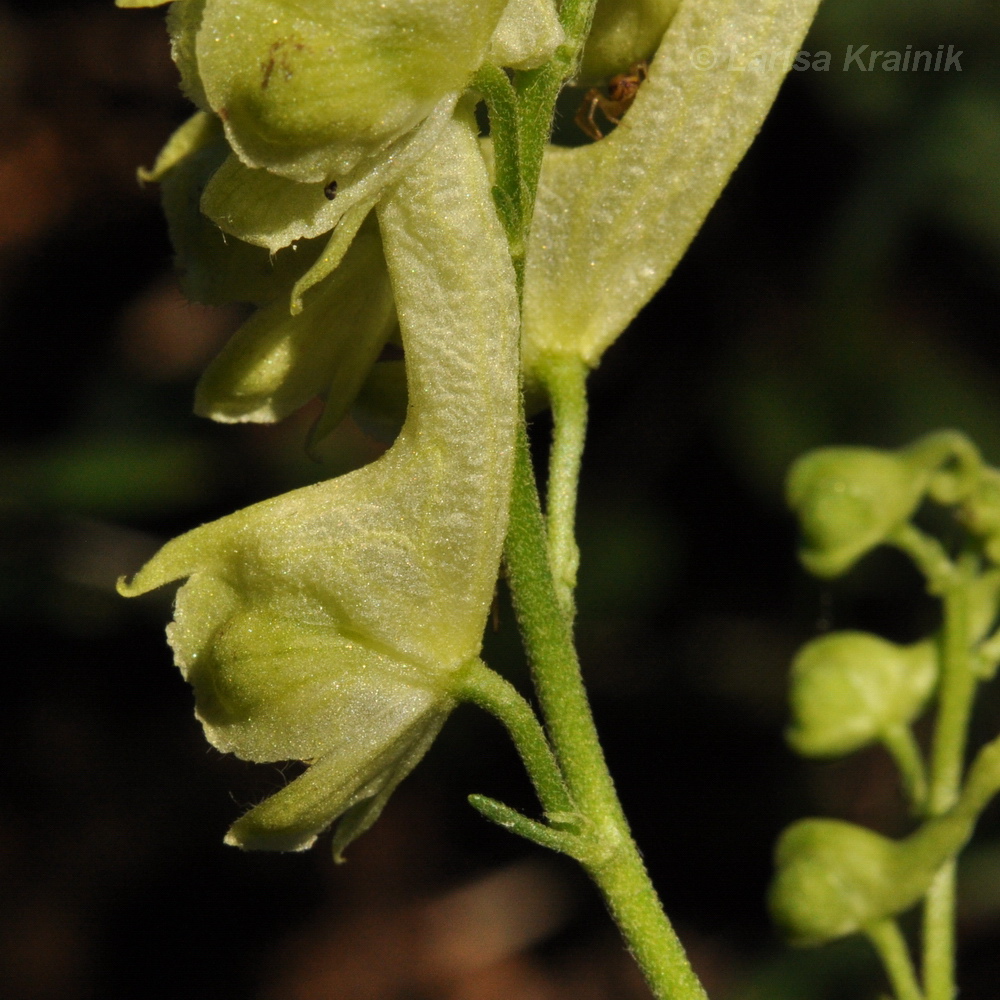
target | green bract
[
  {"x": 849, "y": 500},
  {"x": 329, "y": 625},
  {"x": 613, "y": 218},
  {"x": 851, "y": 688}
]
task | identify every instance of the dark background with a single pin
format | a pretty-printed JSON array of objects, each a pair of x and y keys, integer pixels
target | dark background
[{"x": 845, "y": 289}]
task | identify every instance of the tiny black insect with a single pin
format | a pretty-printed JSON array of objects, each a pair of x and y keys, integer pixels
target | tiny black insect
[{"x": 331, "y": 190}]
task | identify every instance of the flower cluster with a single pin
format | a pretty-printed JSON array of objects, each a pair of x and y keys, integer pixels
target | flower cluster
[
  {"x": 333, "y": 177},
  {"x": 850, "y": 689}
]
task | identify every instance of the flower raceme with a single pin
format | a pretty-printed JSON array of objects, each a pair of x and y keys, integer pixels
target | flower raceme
[
  {"x": 331, "y": 624},
  {"x": 332, "y": 177}
]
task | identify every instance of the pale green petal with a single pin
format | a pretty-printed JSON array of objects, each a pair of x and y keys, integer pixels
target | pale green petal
[
  {"x": 271, "y": 211},
  {"x": 347, "y": 380},
  {"x": 140, "y": 3},
  {"x": 308, "y": 88},
  {"x": 356, "y": 781},
  {"x": 270, "y": 687},
  {"x": 183, "y": 23},
  {"x": 213, "y": 267},
  {"x": 333, "y": 253},
  {"x": 200, "y": 130},
  {"x": 277, "y": 361},
  {"x": 614, "y": 217},
  {"x": 369, "y": 805}
]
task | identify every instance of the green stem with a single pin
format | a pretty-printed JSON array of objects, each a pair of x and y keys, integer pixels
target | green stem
[
  {"x": 537, "y": 91},
  {"x": 929, "y": 556},
  {"x": 956, "y": 692},
  {"x": 565, "y": 379},
  {"x": 610, "y": 854},
  {"x": 900, "y": 742},
  {"x": 613, "y": 861},
  {"x": 939, "y": 935},
  {"x": 891, "y": 946},
  {"x": 501, "y": 100},
  {"x": 487, "y": 689}
]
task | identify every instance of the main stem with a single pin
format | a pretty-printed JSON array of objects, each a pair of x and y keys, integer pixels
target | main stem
[
  {"x": 614, "y": 863},
  {"x": 521, "y": 119},
  {"x": 958, "y": 685}
]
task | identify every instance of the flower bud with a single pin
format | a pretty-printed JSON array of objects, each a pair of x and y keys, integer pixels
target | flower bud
[
  {"x": 835, "y": 878},
  {"x": 850, "y": 500},
  {"x": 849, "y": 688},
  {"x": 527, "y": 34},
  {"x": 623, "y": 33}
]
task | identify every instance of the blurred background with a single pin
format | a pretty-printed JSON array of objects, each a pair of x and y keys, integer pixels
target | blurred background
[{"x": 844, "y": 290}]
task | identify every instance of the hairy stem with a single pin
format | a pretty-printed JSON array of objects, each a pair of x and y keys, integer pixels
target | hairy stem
[
  {"x": 607, "y": 850},
  {"x": 613, "y": 860},
  {"x": 496, "y": 695}
]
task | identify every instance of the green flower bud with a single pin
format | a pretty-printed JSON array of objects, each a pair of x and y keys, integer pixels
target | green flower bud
[
  {"x": 613, "y": 218},
  {"x": 849, "y": 689},
  {"x": 835, "y": 878},
  {"x": 850, "y": 500},
  {"x": 307, "y": 88},
  {"x": 527, "y": 35},
  {"x": 623, "y": 33},
  {"x": 330, "y": 624}
]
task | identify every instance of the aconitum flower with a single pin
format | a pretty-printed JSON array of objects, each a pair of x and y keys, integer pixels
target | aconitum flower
[{"x": 331, "y": 625}]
